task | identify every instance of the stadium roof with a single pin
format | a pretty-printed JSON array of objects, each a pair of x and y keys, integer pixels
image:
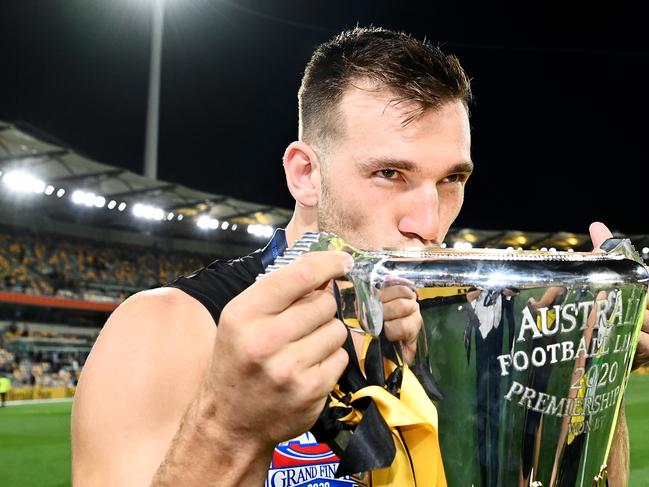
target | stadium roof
[{"x": 26, "y": 149}]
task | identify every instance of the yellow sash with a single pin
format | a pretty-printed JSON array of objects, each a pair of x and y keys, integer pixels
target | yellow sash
[{"x": 412, "y": 420}]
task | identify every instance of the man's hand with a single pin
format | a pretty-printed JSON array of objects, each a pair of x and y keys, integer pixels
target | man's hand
[
  {"x": 278, "y": 353},
  {"x": 166, "y": 398},
  {"x": 401, "y": 318},
  {"x": 598, "y": 234}
]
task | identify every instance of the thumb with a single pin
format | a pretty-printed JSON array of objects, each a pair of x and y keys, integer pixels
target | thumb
[{"x": 598, "y": 234}]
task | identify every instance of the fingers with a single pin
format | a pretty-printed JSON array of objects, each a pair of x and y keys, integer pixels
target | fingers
[
  {"x": 642, "y": 352},
  {"x": 279, "y": 289},
  {"x": 399, "y": 308},
  {"x": 403, "y": 330},
  {"x": 315, "y": 381},
  {"x": 306, "y": 314},
  {"x": 395, "y": 292},
  {"x": 402, "y": 318},
  {"x": 317, "y": 346},
  {"x": 598, "y": 234},
  {"x": 391, "y": 281},
  {"x": 330, "y": 370}
]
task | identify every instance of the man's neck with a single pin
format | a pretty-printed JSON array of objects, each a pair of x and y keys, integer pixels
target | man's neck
[{"x": 303, "y": 220}]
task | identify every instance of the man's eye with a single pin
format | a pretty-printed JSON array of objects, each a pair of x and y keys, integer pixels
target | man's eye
[
  {"x": 455, "y": 178},
  {"x": 388, "y": 173}
]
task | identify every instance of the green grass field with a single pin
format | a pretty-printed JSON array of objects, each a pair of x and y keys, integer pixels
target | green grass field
[
  {"x": 637, "y": 412},
  {"x": 35, "y": 445},
  {"x": 35, "y": 439}
]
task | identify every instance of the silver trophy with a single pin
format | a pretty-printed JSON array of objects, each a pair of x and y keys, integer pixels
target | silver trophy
[{"x": 527, "y": 353}]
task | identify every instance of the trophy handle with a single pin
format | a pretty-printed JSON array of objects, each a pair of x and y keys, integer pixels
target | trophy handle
[{"x": 621, "y": 246}]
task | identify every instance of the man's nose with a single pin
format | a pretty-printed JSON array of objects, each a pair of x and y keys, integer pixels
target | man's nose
[{"x": 420, "y": 218}]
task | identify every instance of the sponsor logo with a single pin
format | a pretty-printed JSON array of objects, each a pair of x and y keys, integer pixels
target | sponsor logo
[
  {"x": 303, "y": 450},
  {"x": 303, "y": 462}
]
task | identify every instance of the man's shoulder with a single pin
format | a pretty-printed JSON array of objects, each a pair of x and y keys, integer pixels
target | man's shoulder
[
  {"x": 148, "y": 329},
  {"x": 171, "y": 304},
  {"x": 144, "y": 369}
]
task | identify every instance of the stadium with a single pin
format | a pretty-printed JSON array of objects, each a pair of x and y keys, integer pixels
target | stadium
[
  {"x": 80, "y": 234},
  {"x": 98, "y": 234}
]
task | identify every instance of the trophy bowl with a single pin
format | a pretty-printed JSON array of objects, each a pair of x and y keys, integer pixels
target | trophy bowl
[{"x": 527, "y": 353}]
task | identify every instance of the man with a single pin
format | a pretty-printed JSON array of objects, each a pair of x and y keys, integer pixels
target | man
[
  {"x": 5, "y": 387},
  {"x": 382, "y": 160}
]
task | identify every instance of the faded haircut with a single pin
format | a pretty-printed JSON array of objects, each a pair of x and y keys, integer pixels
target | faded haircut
[{"x": 416, "y": 72}]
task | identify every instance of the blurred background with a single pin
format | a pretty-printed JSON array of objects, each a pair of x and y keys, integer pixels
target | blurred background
[{"x": 205, "y": 91}]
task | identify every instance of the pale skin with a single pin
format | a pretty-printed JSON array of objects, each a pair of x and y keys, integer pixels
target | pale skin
[{"x": 167, "y": 398}]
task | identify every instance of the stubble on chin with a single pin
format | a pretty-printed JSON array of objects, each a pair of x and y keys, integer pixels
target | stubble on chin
[{"x": 335, "y": 217}]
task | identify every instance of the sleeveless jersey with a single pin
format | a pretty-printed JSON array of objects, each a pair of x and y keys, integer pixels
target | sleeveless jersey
[{"x": 302, "y": 462}]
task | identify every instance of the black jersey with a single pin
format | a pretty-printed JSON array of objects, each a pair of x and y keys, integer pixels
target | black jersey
[
  {"x": 215, "y": 285},
  {"x": 301, "y": 461}
]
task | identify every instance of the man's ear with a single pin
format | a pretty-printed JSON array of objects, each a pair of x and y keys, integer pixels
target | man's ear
[{"x": 302, "y": 168}]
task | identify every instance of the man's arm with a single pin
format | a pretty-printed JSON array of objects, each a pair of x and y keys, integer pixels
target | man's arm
[
  {"x": 144, "y": 370},
  {"x": 165, "y": 399},
  {"x": 618, "y": 458}
]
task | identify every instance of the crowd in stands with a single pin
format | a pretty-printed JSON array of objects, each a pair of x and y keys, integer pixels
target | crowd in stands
[
  {"x": 36, "y": 368},
  {"x": 51, "y": 265},
  {"x": 6, "y": 359},
  {"x": 55, "y": 266},
  {"x": 28, "y": 373}
]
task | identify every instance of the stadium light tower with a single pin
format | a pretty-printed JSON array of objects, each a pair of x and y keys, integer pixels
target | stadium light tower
[{"x": 153, "y": 110}]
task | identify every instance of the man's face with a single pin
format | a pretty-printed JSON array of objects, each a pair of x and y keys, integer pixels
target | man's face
[{"x": 389, "y": 185}]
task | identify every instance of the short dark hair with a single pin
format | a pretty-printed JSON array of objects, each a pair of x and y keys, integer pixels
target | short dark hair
[{"x": 415, "y": 71}]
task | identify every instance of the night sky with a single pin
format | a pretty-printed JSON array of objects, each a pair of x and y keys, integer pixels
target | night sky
[{"x": 559, "y": 124}]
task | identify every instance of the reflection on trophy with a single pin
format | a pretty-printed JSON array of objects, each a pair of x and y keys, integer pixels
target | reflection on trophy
[{"x": 520, "y": 368}]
